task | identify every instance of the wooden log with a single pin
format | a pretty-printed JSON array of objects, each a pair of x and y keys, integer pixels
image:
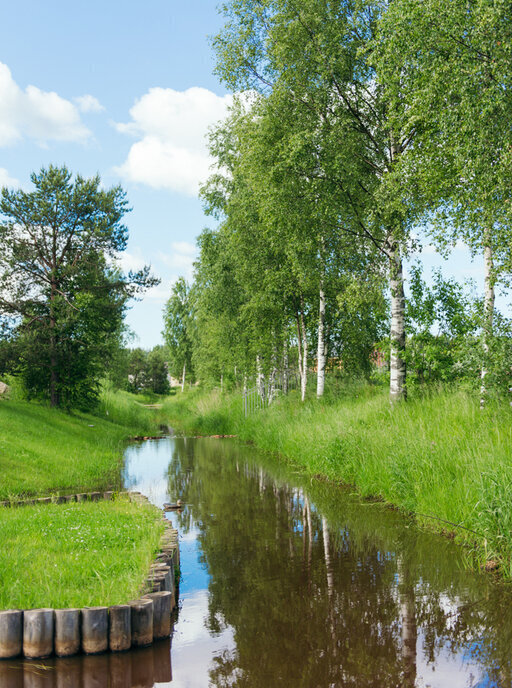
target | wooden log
[
  {"x": 82, "y": 497},
  {"x": 108, "y": 495},
  {"x": 142, "y": 622},
  {"x": 38, "y": 628},
  {"x": 67, "y": 632},
  {"x": 120, "y": 627},
  {"x": 43, "y": 500},
  {"x": 70, "y": 498},
  {"x": 95, "y": 496},
  {"x": 161, "y": 613},
  {"x": 11, "y": 633},
  {"x": 94, "y": 630},
  {"x": 120, "y": 671}
]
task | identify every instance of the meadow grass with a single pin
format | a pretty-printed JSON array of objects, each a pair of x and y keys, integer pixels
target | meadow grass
[
  {"x": 75, "y": 555},
  {"x": 44, "y": 450},
  {"x": 438, "y": 455}
]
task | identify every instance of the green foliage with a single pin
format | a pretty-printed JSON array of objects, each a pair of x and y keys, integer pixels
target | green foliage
[
  {"x": 179, "y": 329},
  {"x": 61, "y": 300}
]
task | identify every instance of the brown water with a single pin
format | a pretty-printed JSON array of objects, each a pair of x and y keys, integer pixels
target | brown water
[{"x": 291, "y": 582}]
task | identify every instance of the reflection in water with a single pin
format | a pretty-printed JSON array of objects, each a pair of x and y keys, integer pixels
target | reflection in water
[
  {"x": 307, "y": 586},
  {"x": 136, "y": 669},
  {"x": 292, "y": 582}
]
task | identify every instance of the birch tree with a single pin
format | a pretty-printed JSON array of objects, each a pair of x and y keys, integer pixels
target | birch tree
[
  {"x": 318, "y": 54},
  {"x": 456, "y": 95}
]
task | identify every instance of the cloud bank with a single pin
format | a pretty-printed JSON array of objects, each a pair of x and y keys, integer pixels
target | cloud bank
[
  {"x": 36, "y": 114},
  {"x": 171, "y": 126}
]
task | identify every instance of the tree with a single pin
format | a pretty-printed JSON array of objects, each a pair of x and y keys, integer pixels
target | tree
[
  {"x": 447, "y": 75},
  {"x": 318, "y": 55},
  {"x": 59, "y": 288},
  {"x": 178, "y": 329}
]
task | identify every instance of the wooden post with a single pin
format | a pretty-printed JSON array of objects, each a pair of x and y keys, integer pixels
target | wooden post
[
  {"x": 67, "y": 632},
  {"x": 94, "y": 630},
  {"x": 161, "y": 613},
  {"x": 120, "y": 627},
  {"x": 38, "y": 626},
  {"x": 142, "y": 622},
  {"x": 143, "y": 668},
  {"x": 11, "y": 633}
]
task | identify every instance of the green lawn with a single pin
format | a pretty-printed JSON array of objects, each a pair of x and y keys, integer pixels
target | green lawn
[{"x": 75, "y": 555}]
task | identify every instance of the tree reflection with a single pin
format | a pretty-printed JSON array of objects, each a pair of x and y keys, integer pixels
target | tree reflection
[{"x": 340, "y": 594}]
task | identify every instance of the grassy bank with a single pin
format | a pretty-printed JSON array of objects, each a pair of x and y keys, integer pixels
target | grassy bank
[
  {"x": 44, "y": 450},
  {"x": 437, "y": 455},
  {"x": 75, "y": 555}
]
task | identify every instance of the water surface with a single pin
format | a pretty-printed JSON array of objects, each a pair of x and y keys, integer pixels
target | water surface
[
  {"x": 288, "y": 581},
  {"x": 291, "y": 582}
]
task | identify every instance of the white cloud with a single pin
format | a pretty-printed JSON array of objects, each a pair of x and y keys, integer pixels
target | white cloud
[
  {"x": 6, "y": 179},
  {"x": 88, "y": 103},
  {"x": 171, "y": 126},
  {"x": 37, "y": 114}
]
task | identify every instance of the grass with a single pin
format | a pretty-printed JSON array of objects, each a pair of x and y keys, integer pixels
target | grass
[
  {"x": 43, "y": 450},
  {"x": 438, "y": 455},
  {"x": 75, "y": 555}
]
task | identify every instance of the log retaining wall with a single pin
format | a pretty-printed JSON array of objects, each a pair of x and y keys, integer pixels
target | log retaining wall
[{"x": 40, "y": 633}]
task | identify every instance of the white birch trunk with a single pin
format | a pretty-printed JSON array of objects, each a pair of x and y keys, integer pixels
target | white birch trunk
[
  {"x": 397, "y": 367},
  {"x": 183, "y": 378},
  {"x": 489, "y": 298},
  {"x": 320, "y": 375},
  {"x": 304, "y": 379},
  {"x": 285, "y": 366},
  {"x": 260, "y": 379}
]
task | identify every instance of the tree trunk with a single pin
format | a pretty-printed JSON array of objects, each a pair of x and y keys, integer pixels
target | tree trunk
[
  {"x": 260, "y": 380},
  {"x": 54, "y": 378},
  {"x": 285, "y": 366},
  {"x": 183, "y": 378},
  {"x": 397, "y": 389},
  {"x": 320, "y": 375},
  {"x": 489, "y": 297},
  {"x": 304, "y": 377},
  {"x": 409, "y": 629}
]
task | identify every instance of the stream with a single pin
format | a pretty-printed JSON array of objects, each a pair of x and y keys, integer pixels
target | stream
[{"x": 288, "y": 581}]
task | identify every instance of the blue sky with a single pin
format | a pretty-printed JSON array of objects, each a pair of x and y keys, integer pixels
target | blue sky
[{"x": 125, "y": 89}]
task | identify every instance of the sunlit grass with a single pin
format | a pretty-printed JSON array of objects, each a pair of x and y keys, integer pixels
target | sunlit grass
[
  {"x": 75, "y": 555},
  {"x": 45, "y": 450}
]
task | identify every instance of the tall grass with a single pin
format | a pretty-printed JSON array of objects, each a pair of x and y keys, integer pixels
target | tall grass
[{"x": 438, "y": 455}]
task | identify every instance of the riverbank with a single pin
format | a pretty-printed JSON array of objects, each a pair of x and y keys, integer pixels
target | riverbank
[
  {"x": 76, "y": 554},
  {"x": 438, "y": 456},
  {"x": 44, "y": 450}
]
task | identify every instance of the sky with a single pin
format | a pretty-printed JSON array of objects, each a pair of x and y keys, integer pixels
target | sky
[{"x": 126, "y": 90}]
